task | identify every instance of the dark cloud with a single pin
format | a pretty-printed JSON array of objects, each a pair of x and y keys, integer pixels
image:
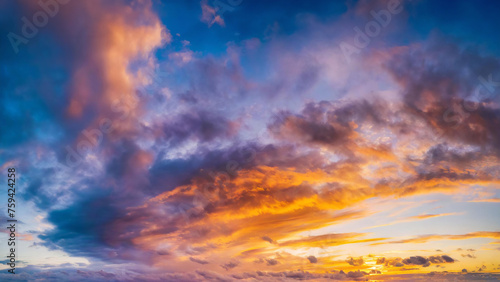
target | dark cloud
[
  {"x": 468, "y": 256},
  {"x": 230, "y": 265},
  {"x": 200, "y": 261},
  {"x": 291, "y": 127},
  {"x": 438, "y": 79},
  {"x": 355, "y": 261},
  {"x": 200, "y": 126},
  {"x": 87, "y": 238},
  {"x": 37, "y": 191},
  {"x": 312, "y": 259},
  {"x": 327, "y": 124},
  {"x": 213, "y": 276},
  {"x": 272, "y": 261},
  {"x": 446, "y": 155},
  {"x": 441, "y": 259},
  {"x": 245, "y": 275},
  {"x": 79, "y": 227},
  {"x": 415, "y": 260},
  {"x": 356, "y": 274},
  {"x": 168, "y": 173},
  {"x": 266, "y": 238}
]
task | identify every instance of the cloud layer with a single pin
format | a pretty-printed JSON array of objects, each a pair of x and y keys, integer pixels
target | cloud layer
[{"x": 221, "y": 147}]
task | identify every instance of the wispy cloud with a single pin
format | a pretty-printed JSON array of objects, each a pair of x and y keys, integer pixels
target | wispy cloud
[
  {"x": 426, "y": 238},
  {"x": 415, "y": 218}
]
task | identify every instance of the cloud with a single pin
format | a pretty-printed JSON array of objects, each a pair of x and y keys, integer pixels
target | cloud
[
  {"x": 327, "y": 125},
  {"x": 426, "y": 216},
  {"x": 312, "y": 259},
  {"x": 209, "y": 14},
  {"x": 426, "y": 238},
  {"x": 229, "y": 265},
  {"x": 468, "y": 256},
  {"x": 89, "y": 274},
  {"x": 355, "y": 262},
  {"x": 356, "y": 274},
  {"x": 200, "y": 261},
  {"x": 213, "y": 276},
  {"x": 329, "y": 240},
  {"x": 416, "y": 218},
  {"x": 443, "y": 258},
  {"x": 188, "y": 177},
  {"x": 198, "y": 126},
  {"x": 415, "y": 260},
  {"x": 435, "y": 91},
  {"x": 101, "y": 84},
  {"x": 492, "y": 200},
  {"x": 302, "y": 275},
  {"x": 266, "y": 238},
  {"x": 64, "y": 273},
  {"x": 272, "y": 261}
]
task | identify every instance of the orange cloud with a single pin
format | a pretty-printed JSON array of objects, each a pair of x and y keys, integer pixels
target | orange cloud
[
  {"x": 328, "y": 240},
  {"x": 102, "y": 80},
  {"x": 426, "y": 238},
  {"x": 492, "y": 200},
  {"x": 416, "y": 218},
  {"x": 426, "y": 216}
]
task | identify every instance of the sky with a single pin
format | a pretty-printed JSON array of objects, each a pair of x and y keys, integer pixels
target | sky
[{"x": 251, "y": 140}]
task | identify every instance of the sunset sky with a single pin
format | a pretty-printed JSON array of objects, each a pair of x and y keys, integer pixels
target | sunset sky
[{"x": 251, "y": 140}]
